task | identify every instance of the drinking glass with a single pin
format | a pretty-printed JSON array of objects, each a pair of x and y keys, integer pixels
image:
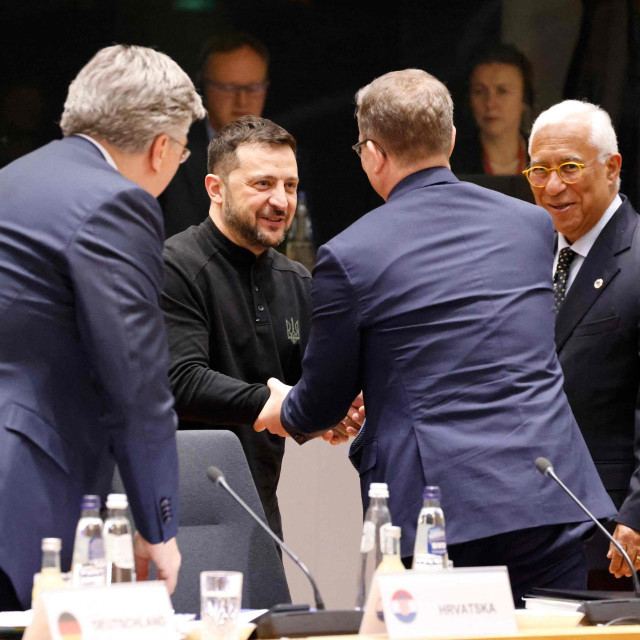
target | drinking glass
[{"x": 220, "y": 601}]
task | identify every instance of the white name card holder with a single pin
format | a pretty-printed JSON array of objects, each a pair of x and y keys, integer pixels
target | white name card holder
[
  {"x": 126, "y": 611},
  {"x": 449, "y": 602}
]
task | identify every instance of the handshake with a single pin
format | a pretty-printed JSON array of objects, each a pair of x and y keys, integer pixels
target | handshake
[{"x": 269, "y": 417}]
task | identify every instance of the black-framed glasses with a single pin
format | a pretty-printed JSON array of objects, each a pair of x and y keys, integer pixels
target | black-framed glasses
[
  {"x": 231, "y": 88},
  {"x": 569, "y": 172},
  {"x": 357, "y": 147},
  {"x": 184, "y": 156}
]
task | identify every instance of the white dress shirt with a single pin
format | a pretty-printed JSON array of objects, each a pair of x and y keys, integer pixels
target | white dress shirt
[
  {"x": 103, "y": 151},
  {"x": 583, "y": 245}
]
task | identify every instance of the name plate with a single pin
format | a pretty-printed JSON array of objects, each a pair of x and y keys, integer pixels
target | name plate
[
  {"x": 447, "y": 602},
  {"x": 136, "y": 610}
]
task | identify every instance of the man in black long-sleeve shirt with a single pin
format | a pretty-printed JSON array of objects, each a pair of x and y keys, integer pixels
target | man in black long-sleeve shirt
[{"x": 237, "y": 311}]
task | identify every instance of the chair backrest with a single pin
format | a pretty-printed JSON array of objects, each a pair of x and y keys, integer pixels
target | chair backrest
[{"x": 215, "y": 532}]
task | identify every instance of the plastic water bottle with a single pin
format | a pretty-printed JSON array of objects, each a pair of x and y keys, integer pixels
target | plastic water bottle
[
  {"x": 50, "y": 576},
  {"x": 370, "y": 546},
  {"x": 118, "y": 543},
  {"x": 430, "y": 551},
  {"x": 390, "y": 539},
  {"x": 89, "y": 564}
]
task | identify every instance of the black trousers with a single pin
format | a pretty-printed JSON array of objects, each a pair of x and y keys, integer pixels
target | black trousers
[
  {"x": 550, "y": 556},
  {"x": 8, "y": 598}
]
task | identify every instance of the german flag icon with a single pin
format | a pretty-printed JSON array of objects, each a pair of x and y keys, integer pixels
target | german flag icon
[{"x": 69, "y": 627}]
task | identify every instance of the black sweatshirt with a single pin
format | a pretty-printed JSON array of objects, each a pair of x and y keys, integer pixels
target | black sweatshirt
[{"x": 233, "y": 321}]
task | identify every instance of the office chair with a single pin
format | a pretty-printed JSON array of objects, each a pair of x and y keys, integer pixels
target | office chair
[{"x": 215, "y": 533}]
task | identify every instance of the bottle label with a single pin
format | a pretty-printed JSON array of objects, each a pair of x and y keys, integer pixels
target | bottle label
[
  {"x": 119, "y": 550},
  {"x": 368, "y": 537},
  {"x": 96, "y": 549},
  {"x": 436, "y": 541}
]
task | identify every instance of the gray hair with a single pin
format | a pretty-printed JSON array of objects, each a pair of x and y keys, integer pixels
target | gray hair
[
  {"x": 409, "y": 113},
  {"x": 127, "y": 95},
  {"x": 602, "y": 134}
]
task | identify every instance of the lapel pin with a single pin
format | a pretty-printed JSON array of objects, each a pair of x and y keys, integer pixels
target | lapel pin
[{"x": 598, "y": 283}]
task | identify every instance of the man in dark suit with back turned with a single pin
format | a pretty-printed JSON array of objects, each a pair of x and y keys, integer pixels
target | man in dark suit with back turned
[
  {"x": 574, "y": 173},
  {"x": 232, "y": 76},
  {"x": 83, "y": 353},
  {"x": 438, "y": 305}
]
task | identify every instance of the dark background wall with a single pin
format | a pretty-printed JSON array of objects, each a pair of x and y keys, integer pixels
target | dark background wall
[{"x": 322, "y": 52}]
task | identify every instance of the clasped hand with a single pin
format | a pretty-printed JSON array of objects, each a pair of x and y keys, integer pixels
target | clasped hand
[{"x": 269, "y": 417}]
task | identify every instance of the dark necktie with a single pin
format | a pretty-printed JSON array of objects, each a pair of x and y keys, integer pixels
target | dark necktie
[{"x": 565, "y": 258}]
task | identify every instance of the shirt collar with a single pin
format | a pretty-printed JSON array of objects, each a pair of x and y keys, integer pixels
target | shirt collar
[
  {"x": 583, "y": 245},
  {"x": 230, "y": 249},
  {"x": 107, "y": 156}
]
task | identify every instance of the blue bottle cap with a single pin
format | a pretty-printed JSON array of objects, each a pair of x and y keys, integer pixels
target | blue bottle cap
[
  {"x": 431, "y": 492},
  {"x": 90, "y": 502}
]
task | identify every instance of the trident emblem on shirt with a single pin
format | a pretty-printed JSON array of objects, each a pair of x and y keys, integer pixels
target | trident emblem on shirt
[{"x": 293, "y": 330}]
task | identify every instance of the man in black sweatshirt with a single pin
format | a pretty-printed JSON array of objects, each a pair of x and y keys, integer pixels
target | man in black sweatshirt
[{"x": 237, "y": 311}]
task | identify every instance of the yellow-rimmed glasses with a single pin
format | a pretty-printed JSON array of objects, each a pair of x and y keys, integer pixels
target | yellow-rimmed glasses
[{"x": 569, "y": 172}]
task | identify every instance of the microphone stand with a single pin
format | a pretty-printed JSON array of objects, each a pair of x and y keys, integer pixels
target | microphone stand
[
  {"x": 614, "y": 609},
  {"x": 289, "y": 620}
]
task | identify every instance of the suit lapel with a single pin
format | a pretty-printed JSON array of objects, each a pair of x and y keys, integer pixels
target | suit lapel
[{"x": 601, "y": 264}]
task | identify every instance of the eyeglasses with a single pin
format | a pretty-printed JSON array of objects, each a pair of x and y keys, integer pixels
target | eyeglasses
[
  {"x": 184, "y": 156},
  {"x": 253, "y": 89},
  {"x": 569, "y": 172},
  {"x": 357, "y": 147}
]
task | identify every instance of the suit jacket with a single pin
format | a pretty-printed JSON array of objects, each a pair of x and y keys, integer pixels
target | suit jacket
[
  {"x": 185, "y": 201},
  {"x": 83, "y": 355},
  {"x": 438, "y": 305},
  {"x": 597, "y": 341}
]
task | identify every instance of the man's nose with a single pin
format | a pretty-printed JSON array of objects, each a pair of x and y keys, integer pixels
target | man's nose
[
  {"x": 241, "y": 97},
  {"x": 278, "y": 198},
  {"x": 555, "y": 184}
]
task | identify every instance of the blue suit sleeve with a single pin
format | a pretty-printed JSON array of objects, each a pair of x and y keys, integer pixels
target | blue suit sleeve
[
  {"x": 331, "y": 368},
  {"x": 115, "y": 265}
]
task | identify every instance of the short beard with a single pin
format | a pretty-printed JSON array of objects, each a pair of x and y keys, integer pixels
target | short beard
[{"x": 250, "y": 233}]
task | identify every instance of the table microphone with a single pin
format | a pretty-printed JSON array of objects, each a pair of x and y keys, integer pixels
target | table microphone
[
  {"x": 293, "y": 620},
  {"x": 601, "y": 611}
]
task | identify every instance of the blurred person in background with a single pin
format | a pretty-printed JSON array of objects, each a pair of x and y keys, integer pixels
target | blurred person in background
[
  {"x": 500, "y": 96},
  {"x": 233, "y": 79}
]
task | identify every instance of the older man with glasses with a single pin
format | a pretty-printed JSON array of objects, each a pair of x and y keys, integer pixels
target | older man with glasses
[
  {"x": 232, "y": 75},
  {"x": 83, "y": 349},
  {"x": 575, "y": 175}
]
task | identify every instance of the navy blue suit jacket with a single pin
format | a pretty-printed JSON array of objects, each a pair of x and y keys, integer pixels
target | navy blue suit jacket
[
  {"x": 83, "y": 354},
  {"x": 438, "y": 305},
  {"x": 598, "y": 346}
]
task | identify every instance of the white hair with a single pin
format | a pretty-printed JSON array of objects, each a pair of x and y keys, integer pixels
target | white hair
[
  {"x": 127, "y": 95},
  {"x": 602, "y": 135}
]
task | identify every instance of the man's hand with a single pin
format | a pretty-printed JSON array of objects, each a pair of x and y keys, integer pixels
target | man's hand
[
  {"x": 165, "y": 555},
  {"x": 269, "y": 417},
  {"x": 349, "y": 425},
  {"x": 629, "y": 540}
]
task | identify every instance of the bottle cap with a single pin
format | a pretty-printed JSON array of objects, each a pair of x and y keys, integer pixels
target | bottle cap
[
  {"x": 90, "y": 503},
  {"x": 391, "y": 531},
  {"x": 431, "y": 492},
  {"x": 378, "y": 490},
  {"x": 117, "y": 501},
  {"x": 51, "y": 544}
]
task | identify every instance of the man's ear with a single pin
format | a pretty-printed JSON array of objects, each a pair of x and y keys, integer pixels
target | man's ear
[
  {"x": 214, "y": 186},
  {"x": 379, "y": 159},
  {"x": 158, "y": 151},
  {"x": 613, "y": 164},
  {"x": 453, "y": 141}
]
